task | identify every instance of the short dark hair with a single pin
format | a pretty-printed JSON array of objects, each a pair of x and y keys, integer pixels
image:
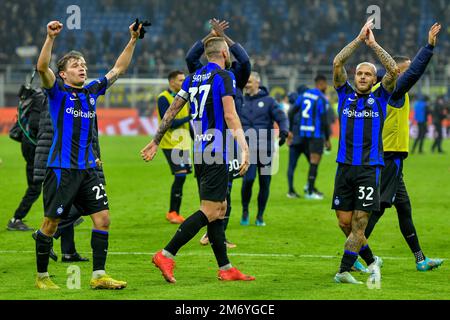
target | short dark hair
[
  {"x": 320, "y": 77},
  {"x": 62, "y": 63},
  {"x": 400, "y": 59},
  {"x": 174, "y": 74}
]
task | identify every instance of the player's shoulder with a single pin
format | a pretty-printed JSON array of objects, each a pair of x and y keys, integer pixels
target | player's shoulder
[
  {"x": 163, "y": 94},
  {"x": 95, "y": 82},
  {"x": 346, "y": 88},
  {"x": 225, "y": 74},
  {"x": 379, "y": 91}
]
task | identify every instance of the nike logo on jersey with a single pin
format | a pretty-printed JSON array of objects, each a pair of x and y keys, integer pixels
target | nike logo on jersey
[
  {"x": 367, "y": 204},
  {"x": 73, "y": 99},
  {"x": 105, "y": 202}
]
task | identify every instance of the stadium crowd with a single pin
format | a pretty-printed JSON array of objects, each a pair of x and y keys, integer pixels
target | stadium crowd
[{"x": 280, "y": 34}]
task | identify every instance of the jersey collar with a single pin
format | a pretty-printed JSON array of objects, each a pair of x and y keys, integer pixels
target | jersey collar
[{"x": 213, "y": 65}]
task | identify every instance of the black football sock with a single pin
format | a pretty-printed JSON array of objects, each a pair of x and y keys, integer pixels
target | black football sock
[
  {"x": 373, "y": 220},
  {"x": 177, "y": 192},
  {"x": 99, "y": 244},
  {"x": 246, "y": 195},
  {"x": 43, "y": 246},
  {"x": 312, "y": 177},
  {"x": 348, "y": 260},
  {"x": 408, "y": 230},
  {"x": 263, "y": 195},
  {"x": 216, "y": 236},
  {"x": 187, "y": 230},
  {"x": 67, "y": 240},
  {"x": 366, "y": 254}
]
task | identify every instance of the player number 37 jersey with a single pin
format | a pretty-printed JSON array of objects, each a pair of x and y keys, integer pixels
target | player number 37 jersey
[{"x": 204, "y": 90}]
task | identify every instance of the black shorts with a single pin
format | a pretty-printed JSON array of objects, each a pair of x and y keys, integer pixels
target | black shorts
[
  {"x": 65, "y": 187},
  {"x": 357, "y": 188},
  {"x": 308, "y": 146},
  {"x": 314, "y": 145},
  {"x": 180, "y": 160},
  {"x": 212, "y": 181},
  {"x": 393, "y": 189}
]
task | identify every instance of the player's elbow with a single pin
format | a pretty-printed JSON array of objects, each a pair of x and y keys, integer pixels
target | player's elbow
[
  {"x": 337, "y": 63},
  {"x": 42, "y": 68}
]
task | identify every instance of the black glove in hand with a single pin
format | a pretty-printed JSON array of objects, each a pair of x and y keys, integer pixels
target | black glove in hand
[
  {"x": 283, "y": 136},
  {"x": 144, "y": 24}
]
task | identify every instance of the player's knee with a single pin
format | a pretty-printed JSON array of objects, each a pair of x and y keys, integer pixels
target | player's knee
[
  {"x": 49, "y": 226},
  {"x": 101, "y": 220},
  {"x": 223, "y": 210},
  {"x": 212, "y": 212},
  {"x": 343, "y": 224},
  {"x": 314, "y": 158}
]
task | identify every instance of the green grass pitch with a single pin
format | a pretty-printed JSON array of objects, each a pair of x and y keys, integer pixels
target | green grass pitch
[{"x": 294, "y": 257}]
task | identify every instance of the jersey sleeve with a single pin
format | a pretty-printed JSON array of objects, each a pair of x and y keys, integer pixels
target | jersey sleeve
[
  {"x": 343, "y": 91},
  {"x": 54, "y": 90},
  {"x": 322, "y": 105},
  {"x": 98, "y": 86},
  {"x": 184, "y": 91},
  {"x": 227, "y": 84},
  {"x": 163, "y": 105}
]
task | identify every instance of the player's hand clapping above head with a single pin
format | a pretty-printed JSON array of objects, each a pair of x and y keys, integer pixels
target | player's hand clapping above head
[
  {"x": 54, "y": 28},
  {"x": 219, "y": 27},
  {"x": 370, "y": 40},
  {"x": 432, "y": 34},
  {"x": 364, "y": 34}
]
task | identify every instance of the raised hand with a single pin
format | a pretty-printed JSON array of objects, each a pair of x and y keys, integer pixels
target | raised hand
[
  {"x": 135, "y": 32},
  {"x": 432, "y": 34},
  {"x": 365, "y": 29},
  {"x": 54, "y": 28},
  {"x": 219, "y": 27},
  {"x": 370, "y": 40}
]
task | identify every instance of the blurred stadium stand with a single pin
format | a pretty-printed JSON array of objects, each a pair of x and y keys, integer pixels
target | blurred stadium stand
[{"x": 288, "y": 40}]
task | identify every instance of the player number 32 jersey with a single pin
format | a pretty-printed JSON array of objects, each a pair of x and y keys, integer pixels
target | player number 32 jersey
[{"x": 361, "y": 119}]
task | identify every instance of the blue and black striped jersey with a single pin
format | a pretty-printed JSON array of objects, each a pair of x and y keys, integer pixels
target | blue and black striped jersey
[
  {"x": 73, "y": 113},
  {"x": 361, "y": 119},
  {"x": 205, "y": 89},
  {"x": 313, "y": 109}
]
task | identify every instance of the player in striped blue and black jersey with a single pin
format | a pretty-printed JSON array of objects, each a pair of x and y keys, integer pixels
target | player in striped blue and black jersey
[
  {"x": 314, "y": 130},
  {"x": 240, "y": 68},
  {"x": 71, "y": 177},
  {"x": 210, "y": 91},
  {"x": 360, "y": 154}
]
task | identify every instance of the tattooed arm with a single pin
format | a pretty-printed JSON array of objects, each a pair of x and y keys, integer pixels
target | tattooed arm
[
  {"x": 392, "y": 70},
  {"x": 149, "y": 151},
  {"x": 124, "y": 59},
  {"x": 339, "y": 72}
]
